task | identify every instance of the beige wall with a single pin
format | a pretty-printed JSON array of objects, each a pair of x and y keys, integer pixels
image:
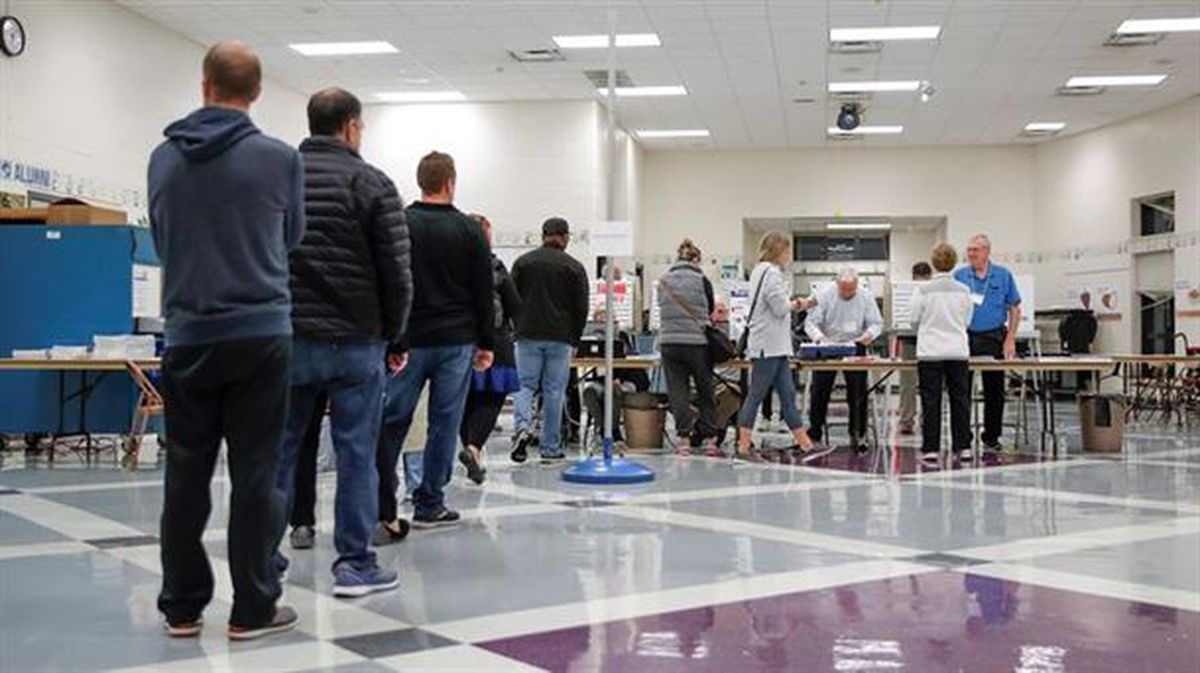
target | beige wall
[
  {"x": 706, "y": 195},
  {"x": 1084, "y": 188}
]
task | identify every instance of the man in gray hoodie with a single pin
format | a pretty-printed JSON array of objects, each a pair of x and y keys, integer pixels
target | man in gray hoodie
[{"x": 226, "y": 206}]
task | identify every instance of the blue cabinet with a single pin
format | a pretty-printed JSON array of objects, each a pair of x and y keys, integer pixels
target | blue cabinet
[{"x": 61, "y": 285}]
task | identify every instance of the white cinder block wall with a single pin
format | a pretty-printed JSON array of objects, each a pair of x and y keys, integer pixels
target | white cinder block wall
[
  {"x": 518, "y": 163},
  {"x": 97, "y": 85}
]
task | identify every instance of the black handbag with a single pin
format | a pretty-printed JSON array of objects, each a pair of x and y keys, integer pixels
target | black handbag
[
  {"x": 744, "y": 339},
  {"x": 718, "y": 344}
]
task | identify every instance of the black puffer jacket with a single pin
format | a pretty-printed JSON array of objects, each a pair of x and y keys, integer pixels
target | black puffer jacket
[{"x": 351, "y": 277}]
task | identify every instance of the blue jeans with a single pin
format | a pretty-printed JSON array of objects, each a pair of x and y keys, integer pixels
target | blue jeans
[
  {"x": 447, "y": 369},
  {"x": 352, "y": 374},
  {"x": 767, "y": 374},
  {"x": 544, "y": 365}
]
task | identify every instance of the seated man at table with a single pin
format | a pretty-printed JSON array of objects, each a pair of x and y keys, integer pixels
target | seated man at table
[{"x": 845, "y": 313}]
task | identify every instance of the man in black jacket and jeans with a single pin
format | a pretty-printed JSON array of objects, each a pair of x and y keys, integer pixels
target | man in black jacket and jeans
[
  {"x": 451, "y": 330},
  {"x": 554, "y": 311},
  {"x": 352, "y": 290}
]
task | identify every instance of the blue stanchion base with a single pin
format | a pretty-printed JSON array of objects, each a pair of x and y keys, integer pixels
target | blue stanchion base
[{"x": 597, "y": 470}]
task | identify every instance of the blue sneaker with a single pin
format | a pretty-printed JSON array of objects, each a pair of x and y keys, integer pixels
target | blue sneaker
[{"x": 349, "y": 582}]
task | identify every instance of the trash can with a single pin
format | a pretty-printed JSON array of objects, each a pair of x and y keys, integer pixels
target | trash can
[
  {"x": 645, "y": 420},
  {"x": 1102, "y": 420}
]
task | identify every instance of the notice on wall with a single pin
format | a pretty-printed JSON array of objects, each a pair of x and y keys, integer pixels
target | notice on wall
[
  {"x": 147, "y": 291},
  {"x": 1102, "y": 298},
  {"x": 611, "y": 239},
  {"x": 902, "y": 294}
]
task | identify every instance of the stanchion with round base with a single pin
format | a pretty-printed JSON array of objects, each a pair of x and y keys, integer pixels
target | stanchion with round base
[{"x": 604, "y": 469}]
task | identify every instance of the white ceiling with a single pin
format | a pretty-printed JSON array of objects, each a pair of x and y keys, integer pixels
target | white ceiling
[{"x": 995, "y": 67}]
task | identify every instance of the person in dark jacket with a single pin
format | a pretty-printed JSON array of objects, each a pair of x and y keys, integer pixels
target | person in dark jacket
[
  {"x": 452, "y": 330},
  {"x": 686, "y": 304},
  {"x": 226, "y": 205},
  {"x": 492, "y": 386},
  {"x": 554, "y": 297},
  {"x": 352, "y": 290}
]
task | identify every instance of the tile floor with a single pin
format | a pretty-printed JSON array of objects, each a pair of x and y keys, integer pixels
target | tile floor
[{"x": 1088, "y": 563}]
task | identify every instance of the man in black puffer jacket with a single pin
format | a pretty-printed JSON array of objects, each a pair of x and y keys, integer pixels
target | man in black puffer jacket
[{"x": 351, "y": 286}]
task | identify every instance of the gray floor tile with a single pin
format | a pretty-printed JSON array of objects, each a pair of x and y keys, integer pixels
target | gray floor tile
[
  {"x": 515, "y": 563},
  {"x": 391, "y": 643},
  {"x": 924, "y": 516},
  {"x": 87, "y": 612},
  {"x": 1120, "y": 479},
  {"x": 1170, "y": 563},
  {"x": 16, "y": 530}
]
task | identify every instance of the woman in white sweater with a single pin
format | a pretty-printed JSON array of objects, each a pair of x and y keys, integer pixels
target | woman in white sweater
[
  {"x": 941, "y": 312},
  {"x": 769, "y": 345}
]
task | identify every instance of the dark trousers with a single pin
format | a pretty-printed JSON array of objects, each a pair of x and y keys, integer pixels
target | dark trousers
[
  {"x": 856, "y": 398},
  {"x": 479, "y": 417},
  {"x": 685, "y": 366},
  {"x": 955, "y": 377},
  {"x": 304, "y": 488},
  {"x": 992, "y": 344},
  {"x": 236, "y": 390}
]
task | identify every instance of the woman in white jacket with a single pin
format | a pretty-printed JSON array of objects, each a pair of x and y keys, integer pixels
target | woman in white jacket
[
  {"x": 769, "y": 345},
  {"x": 941, "y": 312}
]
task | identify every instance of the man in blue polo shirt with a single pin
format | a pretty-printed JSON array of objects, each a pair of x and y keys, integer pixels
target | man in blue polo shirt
[{"x": 993, "y": 328}]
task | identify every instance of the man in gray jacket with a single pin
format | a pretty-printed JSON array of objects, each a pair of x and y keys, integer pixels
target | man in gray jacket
[{"x": 845, "y": 313}]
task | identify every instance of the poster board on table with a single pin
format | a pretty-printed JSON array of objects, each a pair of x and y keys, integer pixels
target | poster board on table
[
  {"x": 1025, "y": 286},
  {"x": 622, "y": 301},
  {"x": 737, "y": 299}
]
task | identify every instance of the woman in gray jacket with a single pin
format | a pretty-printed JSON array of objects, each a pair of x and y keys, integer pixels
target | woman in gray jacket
[
  {"x": 685, "y": 302},
  {"x": 769, "y": 345}
]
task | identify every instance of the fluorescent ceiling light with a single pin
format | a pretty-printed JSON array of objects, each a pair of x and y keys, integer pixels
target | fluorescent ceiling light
[
  {"x": 601, "y": 41},
  {"x": 343, "y": 48},
  {"x": 673, "y": 133},
  {"x": 881, "y": 34},
  {"x": 1045, "y": 127},
  {"x": 861, "y": 226},
  {"x": 1159, "y": 25},
  {"x": 1116, "y": 80},
  {"x": 866, "y": 131},
  {"x": 860, "y": 87},
  {"x": 642, "y": 91},
  {"x": 420, "y": 96}
]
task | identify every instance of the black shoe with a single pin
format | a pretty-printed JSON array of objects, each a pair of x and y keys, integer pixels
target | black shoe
[
  {"x": 285, "y": 619},
  {"x": 303, "y": 537},
  {"x": 475, "y": 471},
  {"x": 818, "y": 452},
  {"x": 553, "y": 459},
  {"x": 966, "y": 456},
  {"x": 438, "y": 518},
  {"x": 520, "y": 444},
  {"x": 862, "y": 449},
  {"x": 931, "y": 459},
  {"x": 385, "y": 536}
]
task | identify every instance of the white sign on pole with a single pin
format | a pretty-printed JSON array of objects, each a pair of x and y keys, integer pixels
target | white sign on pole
[{"x": 611, "y": 239}]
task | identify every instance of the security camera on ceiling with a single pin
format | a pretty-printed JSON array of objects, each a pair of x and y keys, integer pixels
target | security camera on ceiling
[{"x": 849, "y": 117}]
